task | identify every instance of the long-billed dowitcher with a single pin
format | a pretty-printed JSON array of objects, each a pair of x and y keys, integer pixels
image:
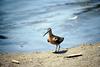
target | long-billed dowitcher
[{"x": 53, "y": 39}]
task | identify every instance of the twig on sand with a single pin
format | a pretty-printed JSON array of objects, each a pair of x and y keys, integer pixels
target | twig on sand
[
  {"x": 99, "y": 46},
  {"x": 15, "y": 61},
  {"x": 73, "y": 55}
]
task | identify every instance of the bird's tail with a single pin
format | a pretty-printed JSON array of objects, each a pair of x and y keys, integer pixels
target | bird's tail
[{"x": 62, "y": 39}]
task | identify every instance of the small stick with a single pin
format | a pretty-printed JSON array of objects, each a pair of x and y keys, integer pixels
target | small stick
[
  {"x": 15, "y": 61},
  {"x": 74, "y": 55}
]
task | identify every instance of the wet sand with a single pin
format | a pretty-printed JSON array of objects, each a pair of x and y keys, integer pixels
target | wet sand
[{"x": 90, "y": 57}]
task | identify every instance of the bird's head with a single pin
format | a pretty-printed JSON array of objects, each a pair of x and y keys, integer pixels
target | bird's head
[{"x": 48, "y": 30}]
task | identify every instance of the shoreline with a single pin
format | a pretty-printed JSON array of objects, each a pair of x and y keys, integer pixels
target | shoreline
[
  {"x": 45, "y": 50},
  {"x": 81, "y": 56}
]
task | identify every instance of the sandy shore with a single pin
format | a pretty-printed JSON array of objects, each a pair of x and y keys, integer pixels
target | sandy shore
[{"x": 90, "y": 57}]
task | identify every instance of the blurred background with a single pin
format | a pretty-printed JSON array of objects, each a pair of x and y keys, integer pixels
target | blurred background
[{"x": 23, "y": 23}]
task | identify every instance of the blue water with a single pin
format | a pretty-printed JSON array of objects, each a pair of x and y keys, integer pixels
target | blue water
[{"x": 24, "y": 22}]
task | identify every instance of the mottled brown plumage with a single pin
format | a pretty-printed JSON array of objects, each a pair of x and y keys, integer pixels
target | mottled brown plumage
[{"x": 53, "y": 39}]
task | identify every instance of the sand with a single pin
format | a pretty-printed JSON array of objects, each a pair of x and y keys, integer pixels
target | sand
[{"x": 90, "y": 58}]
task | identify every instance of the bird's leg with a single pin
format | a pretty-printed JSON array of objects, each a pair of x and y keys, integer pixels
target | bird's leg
[
  {"x": 59, "y": 48},
  {"x": 56, "y": 48}
]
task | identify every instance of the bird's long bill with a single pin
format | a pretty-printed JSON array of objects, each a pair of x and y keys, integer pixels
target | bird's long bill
[{"x": 45, "y": 33}]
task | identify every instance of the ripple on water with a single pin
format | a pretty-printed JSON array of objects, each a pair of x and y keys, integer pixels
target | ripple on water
[{"x": 24, "y": 23}]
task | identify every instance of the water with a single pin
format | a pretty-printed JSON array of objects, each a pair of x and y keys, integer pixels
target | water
[{"x": 24, "y": 22}]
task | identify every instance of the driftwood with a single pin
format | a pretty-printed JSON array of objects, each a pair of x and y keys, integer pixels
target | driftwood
[
  {"x": 74, "y": 55},
  {"x": 99, "y": 46},
  {"x": 15, "y": 61}
]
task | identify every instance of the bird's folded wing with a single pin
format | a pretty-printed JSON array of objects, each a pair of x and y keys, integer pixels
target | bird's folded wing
[{"x": 54, "y": 38}]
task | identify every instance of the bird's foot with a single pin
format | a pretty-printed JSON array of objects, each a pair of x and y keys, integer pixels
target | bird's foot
[{"x": 56, "y": 51}]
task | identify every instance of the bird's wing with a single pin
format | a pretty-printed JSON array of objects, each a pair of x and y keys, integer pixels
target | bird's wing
[
  {"x": 58, "y": 39},
  {"x": 54, "y": 38}
]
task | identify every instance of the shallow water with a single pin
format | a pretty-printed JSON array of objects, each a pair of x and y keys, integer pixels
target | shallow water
[{"x": 24, "y": 22}]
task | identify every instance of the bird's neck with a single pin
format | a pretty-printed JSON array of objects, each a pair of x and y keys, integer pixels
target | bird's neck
[{"x": 50, "y": 33}]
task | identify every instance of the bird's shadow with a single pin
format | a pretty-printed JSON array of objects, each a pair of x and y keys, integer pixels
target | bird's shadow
[{"x": 61, "y": 51}]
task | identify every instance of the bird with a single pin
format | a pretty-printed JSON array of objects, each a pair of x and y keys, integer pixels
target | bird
[{"x": 53, "y": 39}]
